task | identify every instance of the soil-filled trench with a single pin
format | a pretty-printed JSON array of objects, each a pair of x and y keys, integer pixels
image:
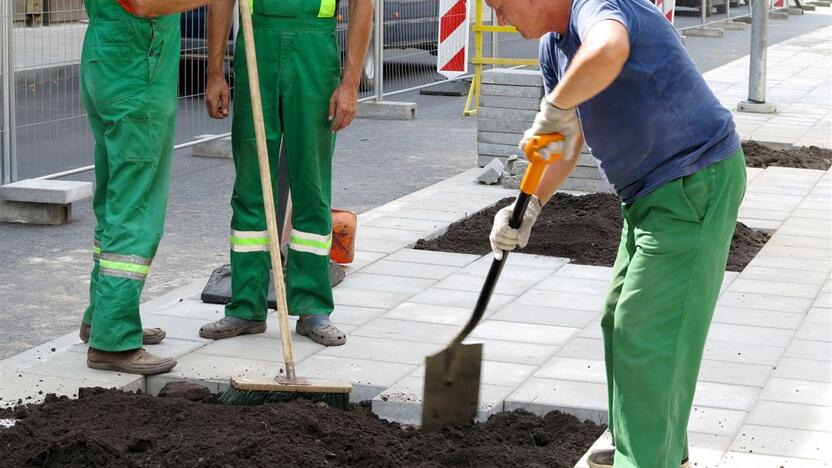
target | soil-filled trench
[
  {"x": 112, "y": 428},
  {"x": 583, "y": 228},
  {"x": 808, "y": 157}
]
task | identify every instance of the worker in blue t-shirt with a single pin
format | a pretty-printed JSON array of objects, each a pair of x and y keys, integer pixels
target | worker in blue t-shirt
[{"x": 618, "y": 77}]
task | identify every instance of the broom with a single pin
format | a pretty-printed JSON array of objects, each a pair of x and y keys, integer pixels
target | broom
[{"x": 254, "y": 391}]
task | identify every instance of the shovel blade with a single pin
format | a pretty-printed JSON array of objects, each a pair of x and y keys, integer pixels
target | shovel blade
[{"x": 452, "y": 386}]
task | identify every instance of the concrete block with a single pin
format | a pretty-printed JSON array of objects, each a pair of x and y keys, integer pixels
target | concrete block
[
  {"x": 731, "y": 26},
  {"x": 524, "y": 332},
  {"x": 260, "y": 348},
  {"x": 405, "y": 330},
  {"x": 355, "y": 316},
  {"x": 808, "y": 7},
  {"x": 584, "y": 400},
  {"x": 431, "y": 313},
  {"x": 432, "y": 258},
  {"x": 798, "y": 391},
  {"x": 819, "y": 315},
  {"x": 756, "y": 107},
  {"x": 749, "y": 335},
  {"x": 781, "y": 441},
  {"x": 459, "y": 298},
  {"x": 402, "y": 402},
  {"x": 757, "y": 318},
  {"x": 754, "y": 460},
  {"x": 34, "y": 213},
  {"x": 512, "y": 115},
  {"x": 585, "y": 271},
  {"x": 582, "y": 286},
  {"x": 704, "y": 32},
  {"x": 490, "y": 149},
  {"x": 587, "y": 185},
  {"x": 491, "y": 173},
  {"x": 364, "y": 298},
  {"x": 795, "y": 11},
  {"x": 567, "y": 300},
  {"x": 715, "y": 421},
  {"x": 743, "y": 19},
  {"x": 500, "y": 138},
  {"x": 514, "y": 351},
  {"x": 517, "y": 126},
  {"x": 508, "y": 76},
  {"x": 583, "y": 348},
  {"x": 735, "y": 373},
  {"x": 212, "y": 149},
  {"x": 752, "y": 286},
  {"x": 778, "y": 15},
  {"x": 545, "y": 316},
  {"x": 734, "y": 397},
  {"x": 368, "y": 377},
  {"x": 466, "y": 282},
  {"x": 214, "y": 371},
  {"x": 387, "y": 110},
  {"x": 374, "y": 282},
  {"x": 581, "y": 370},
  {"x": 536, "y": 92},
  {"x": 410, "y": 270},
  {"x": 515, "y": 271},
  {"x": 33, "y": 388},
  {"x": 512, "y": 178},
  {"x": 510, "y": 102},
  {"x": 57, "y": 192},
  {"x": 384, "y": 350},
  {"x": 796, "y": 305},
  {"x": 71, "y": 365},
  {"x": 804, "y": 369},
  {"x": 814, "y": 350},
  {"x": 742, "y": 352},
  {"x": 587, "y": 172}
]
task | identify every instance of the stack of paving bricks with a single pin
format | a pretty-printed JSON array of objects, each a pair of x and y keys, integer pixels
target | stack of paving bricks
[{"x": 509, "y": 101}]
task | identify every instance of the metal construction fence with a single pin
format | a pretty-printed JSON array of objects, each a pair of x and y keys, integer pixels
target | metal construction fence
[{"x": 44, "y": 131}]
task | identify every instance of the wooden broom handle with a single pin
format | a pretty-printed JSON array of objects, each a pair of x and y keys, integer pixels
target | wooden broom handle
[{"x": 266, "y": 183}]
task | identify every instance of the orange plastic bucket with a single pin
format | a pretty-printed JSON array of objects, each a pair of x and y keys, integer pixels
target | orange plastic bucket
[{"x": 344, "y": 224}]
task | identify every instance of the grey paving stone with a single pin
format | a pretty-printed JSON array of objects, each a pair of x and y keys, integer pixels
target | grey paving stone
[
  {"x": 365, "y": 298},
  {"x": 384, "y": 350},
  {"x": 181, "y": 328},
  {"x": 500, "y": 138},
  {"x": 707, "y": 448},
  {"x": 212, "y": 370},
  {"x": 190, "y": 291},
  {"x": 757, "y": 318},
  {"x": 360, "y": 260},
  {"x": 815, "y": 332},
  {"x": 743, "y": 352},
  {"x": 754, "y": 460},
  {"x": 807, "y": 227},
  {"x": 716, "y": 421},
  {"x": 585, "y": 272},
  {"x": 488, "y": 89},
  {"x": 408, "y": 330},
  {"x": 510, "y": 115},
  {"x": 369, "y": 378},
  {"x": 392, "y": 234},
  {"x": 819, "y": 315},
  {"x": 581, "y": 370},
  {"x": 33, "y": 388},
  {"x": 797, "y": 305},
  {"x": 799, "y": 241},
  {"x": 545, "y": 315},
  {"x": 824, "y": 299},
  {"x": 717, "y": 395},
  {"x": 438, "y": 215},
  {"x": 59, "y": 192},
  {"x": 452, "y": 298},
  {"x": 513, "y": 351},
  {"x": 408, "y": 224},
  {"x": 749, "y": 335},
  {"x": 72, "y": 365},
  {"x": 754, "y": 375},
  {"x": 797, "y": 443},
  {"x": 191, "y": 309},
  {"x": 524, "y": 332},
  {"x": 791, "y": 415},
  {"x": 469, "y": 282},
  {"x": 584, "y": 400},
  {"x": 432, "y": 258},
  {"x": 499, "y": 124},
  {"x": 431, "y": 313},
  {"x": 814, "y": 350},
  {"x": 785, "y": 276},
  {"x": 375, "y": 282},
  {"x": 535, "y": 297},
  {"x": 169, "y": 347},
  {"x": 803, "y": 369},
  {"x": 574, "y": 285},
  {"x": 510, "y": 102},
  {"x": 751, "y": 286},
  {"x": 509, "y": 76},
  {"x": 593, "y": 330},
  {"x": 583, "y": 348},
  {"x": 409, "y": 269},
  {"x": 796, "y": 252},
  {"x": 258, "y": 348},
  {"x": 798, "y": 391},
  {"x": 379, "y": 245}
]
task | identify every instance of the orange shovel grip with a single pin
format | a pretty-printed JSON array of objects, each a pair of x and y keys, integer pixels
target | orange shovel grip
[{"x": 537, "y": 163}]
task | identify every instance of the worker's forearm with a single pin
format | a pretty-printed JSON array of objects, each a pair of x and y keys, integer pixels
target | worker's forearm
[
  {"x": 358, "y": 39},
  {"x": 595, "y": 66},
  {"x": 557, "y": 172},
  {"x": 219, "y": 26},
  {"x": 166, "y": 7}
]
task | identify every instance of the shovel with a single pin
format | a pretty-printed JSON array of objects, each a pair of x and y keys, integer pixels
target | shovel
[{"x": 452, "y": 376}]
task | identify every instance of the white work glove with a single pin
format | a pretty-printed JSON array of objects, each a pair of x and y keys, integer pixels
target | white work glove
[
  {"x": 504, "y": 238},
  {"x": 551, "y": 119}
]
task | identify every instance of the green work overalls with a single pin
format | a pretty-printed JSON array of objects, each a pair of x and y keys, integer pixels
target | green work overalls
[
  {"x": 129, "y": 72},
  {"x": 299, "y": 66}
]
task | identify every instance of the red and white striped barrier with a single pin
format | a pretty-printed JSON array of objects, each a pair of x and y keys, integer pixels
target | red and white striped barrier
[
  {"x": 668, "y": 8},
  {"x": 452, "y": 51}
]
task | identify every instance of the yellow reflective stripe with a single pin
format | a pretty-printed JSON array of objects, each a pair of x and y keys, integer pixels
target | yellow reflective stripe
[
  {"x": 249, "y": 240},
  {"x": 96, "y": 250},
  {"x": 311, "y": 243},
  {"x": 327, "y": 9},
  {"x": 131, "y": 267}
]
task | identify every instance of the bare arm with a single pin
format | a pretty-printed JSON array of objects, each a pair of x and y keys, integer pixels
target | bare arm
[
  {"x": 595, "y": 66},
  {"x": 342, "y": 105},
  {"x": 217, "y": 95},
  {"x": 556, "y": 173},
  {"x": 165, "y": 7}
]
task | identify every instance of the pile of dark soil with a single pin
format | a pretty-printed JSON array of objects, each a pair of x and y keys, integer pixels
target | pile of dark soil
[
  {"x": 111, "y": 428},
  {"x": 585, "y": 229},
  {"x": 811, "y": 157}
]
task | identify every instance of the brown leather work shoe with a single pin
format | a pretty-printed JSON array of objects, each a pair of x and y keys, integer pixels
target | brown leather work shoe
[
  {"x": 150, "y": 336},
  {"x": 135, "y": 361}
]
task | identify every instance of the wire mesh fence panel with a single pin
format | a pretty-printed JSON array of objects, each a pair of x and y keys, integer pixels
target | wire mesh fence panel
[
  {"x": 7, "y": 87},
  {"x": 688, "y": 14}
]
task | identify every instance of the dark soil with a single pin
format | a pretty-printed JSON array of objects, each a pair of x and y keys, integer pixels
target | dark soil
[
  {"x": 111, "y": 428},
  {"x": 811, "y": 157},
  {"x": 585, "y": 229}
]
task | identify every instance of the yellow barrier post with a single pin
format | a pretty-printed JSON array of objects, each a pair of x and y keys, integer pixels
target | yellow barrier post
[{"x": 478, "y": 60}]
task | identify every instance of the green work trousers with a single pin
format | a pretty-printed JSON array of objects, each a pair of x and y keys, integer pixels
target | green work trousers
[
  {"x": 129, "y": 71},
  {"x": 666, "y": 279},
  {"x": 299, "y": 67}
]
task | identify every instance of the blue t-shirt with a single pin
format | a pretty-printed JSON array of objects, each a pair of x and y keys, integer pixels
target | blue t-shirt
[{"x": 658, "y": 120}]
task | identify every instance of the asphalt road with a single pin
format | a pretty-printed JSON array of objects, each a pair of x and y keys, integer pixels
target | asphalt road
[{"x": 43, "y": 279}]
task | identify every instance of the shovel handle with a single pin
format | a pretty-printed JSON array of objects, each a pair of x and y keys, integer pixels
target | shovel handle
[{"x": 531, "y": 179}]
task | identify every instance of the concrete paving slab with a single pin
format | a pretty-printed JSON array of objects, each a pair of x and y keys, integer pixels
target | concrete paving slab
[
  {"x": 369, "y": 378},
  {"x": 791, "y": 415},
  {"x": 191, "y": 309},
  {"x": 819, "y": 315},
  {"x": 574, "y": 285},
  {"x": 353, "y": 315},
  {"x": 815, "y": 332},
  {"x": 432, "y": 258},
  {"x": 581, "y": 370},
  {"x": 431, "y": 313},
  {"x": 33, "y": 388},
  {"x": 469, "y": 282},
  {"x": 360, "y": 260},
  {"x": 464, "y": 299},
  {"x": 169, "y": 347},
  {"x": 515, "y": 352},
  {"x": 384, "y": 350},
  {"x": 706, "y": 450},
  {"x": 798, "y": 391},
  {"x": 774, "y": 274},
  {"x": 725, "y": 396},
  {"x": 797, "y": 305},
  {"x": 515, "y": 312},
  {"x": 753, "y": 460},
  {"x": 376, "y": 282},
  {"x": 409, "y": 270},
  {"x": 757, "y": 318},
  {"x": 715, "y": 421},
  {"x": 753, "y": 375},
  {"x": 408, "y": 224},
  {"x": 814, "y": 350},
  {"x": 567, "y": 300},
  {"x": 803, "y": 369},
  {"x": 180, "y": 328},
  {"x": 584, "y": 400},
  {"x": 524, "y": 332},
  {"x": 796, "y": 443},
  {"x": 743, "y": 352},
  {"x": 408, "y": 330},
  {"x": 584, "y": 348},
  {"x": 585, "y": 272},
  {"x": 367, "y": 298},
  {"x": 749, "y": 335},
  {"x": 73, "y": 366},
  {"x": 259, "y": 348},
  {"x": 776, "y": 250}
]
